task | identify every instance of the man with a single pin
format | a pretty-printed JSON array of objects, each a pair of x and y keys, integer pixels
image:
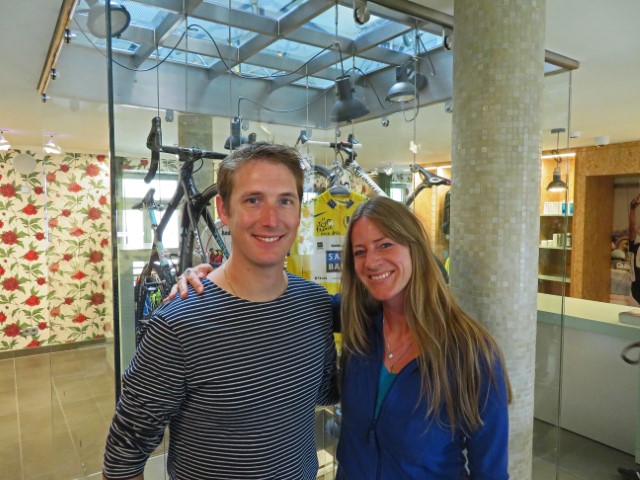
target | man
[
  {"x": 633, "y": 249},
  {"x": 237, "y": 371}
]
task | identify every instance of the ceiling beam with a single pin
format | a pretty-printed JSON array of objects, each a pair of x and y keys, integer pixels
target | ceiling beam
[{"x": 57, "y": 40}]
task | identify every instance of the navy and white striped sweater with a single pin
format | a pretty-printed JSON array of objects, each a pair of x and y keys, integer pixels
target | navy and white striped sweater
[{"x": 236, "y": 381}]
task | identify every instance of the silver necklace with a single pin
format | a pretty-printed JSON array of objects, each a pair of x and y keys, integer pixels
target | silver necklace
[{"x": 390, "y": 354}]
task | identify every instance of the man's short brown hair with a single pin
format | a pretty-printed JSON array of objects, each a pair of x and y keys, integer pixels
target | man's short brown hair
[{"x": 259, "y": 151}]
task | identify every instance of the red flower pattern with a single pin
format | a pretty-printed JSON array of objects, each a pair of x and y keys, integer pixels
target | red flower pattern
[
  {"x": 97, "y": 299},
  {"x": 95, "y": 256},
  {"x": 92, "y": 170},
  {"x": 74, "y": 187},
  {"x": 31, "y": 256},
  {"x": 9, "y": 238},
  {"x": 32, "y": 301},
  {"x": 30, "y": 209},
  {"x": 78, "y": 242},
  {"x": 12, "y": 330},
  {"x": 11, "y": 284},
  {"x": 94, "y": 214},
  {"x": 7, "y": 190}
]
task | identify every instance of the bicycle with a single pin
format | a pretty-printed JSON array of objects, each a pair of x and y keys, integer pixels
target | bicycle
[
  {"x": 199, "y": 232},
  {"x": 347, "y": 150},
  {"x": 332, "y": 178}
]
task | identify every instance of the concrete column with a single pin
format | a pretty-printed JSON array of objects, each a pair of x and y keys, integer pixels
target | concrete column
[
  {"x": 197, "y": 131},
  {"x": 497, "y": 118}
]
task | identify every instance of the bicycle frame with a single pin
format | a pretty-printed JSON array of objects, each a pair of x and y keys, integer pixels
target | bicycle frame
[
  {"x": 159, "y": 254},
  {"x": 428, "y": 179},
  {"x": 186, "y": 187}
]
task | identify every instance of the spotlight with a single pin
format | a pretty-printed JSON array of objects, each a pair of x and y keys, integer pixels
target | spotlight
[
  {"x": 53, "y": 73},
  {"x": 406, "y": 89},
  {"x": 556, "y": 184},
  {"x": 97, "y": 24},
  {"x": 347, "y": 107},
  {"x": 4, "y": 143},
  {"x": 51, "y": 147},
  {"x": 361, "y": 14},
  {"x": 235, "y": 139}
]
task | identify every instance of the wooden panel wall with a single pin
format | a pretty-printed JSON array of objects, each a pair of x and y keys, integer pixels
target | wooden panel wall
[{"x": 595, "y": 170}]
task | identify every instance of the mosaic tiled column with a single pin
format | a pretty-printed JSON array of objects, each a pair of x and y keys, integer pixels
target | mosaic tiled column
[{"x": 498, "y": 87}]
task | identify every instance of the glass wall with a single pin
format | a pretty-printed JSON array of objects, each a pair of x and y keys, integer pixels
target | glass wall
[{"x": 199, "y": 107}]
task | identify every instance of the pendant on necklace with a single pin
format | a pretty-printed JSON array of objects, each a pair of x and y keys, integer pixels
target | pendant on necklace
[{"x": 390, "y": 356}]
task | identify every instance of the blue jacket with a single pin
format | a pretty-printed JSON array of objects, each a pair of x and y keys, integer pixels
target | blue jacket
[{"x": 400, "y": 443}]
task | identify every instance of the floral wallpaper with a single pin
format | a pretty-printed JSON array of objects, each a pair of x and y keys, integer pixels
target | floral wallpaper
[{"x": 55, "y": 250}]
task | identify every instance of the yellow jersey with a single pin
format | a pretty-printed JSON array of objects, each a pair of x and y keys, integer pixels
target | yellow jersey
[{"x": 316, "y": 253}]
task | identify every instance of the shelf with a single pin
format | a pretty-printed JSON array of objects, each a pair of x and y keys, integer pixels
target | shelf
[
  {"x": 554, "y": 278},
  {"x": 554, "y": 248},
  {"x": 555, "y": 215}
]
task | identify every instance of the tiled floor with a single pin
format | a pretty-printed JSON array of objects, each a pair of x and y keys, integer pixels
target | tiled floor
[{"x": 55, "y": 410}]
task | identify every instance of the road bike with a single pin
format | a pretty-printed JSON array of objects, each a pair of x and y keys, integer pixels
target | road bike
[
  {"x": 322, "y": 178},
  {"x": 200, "y": 234},
  {"x": 326, "y": 178}
]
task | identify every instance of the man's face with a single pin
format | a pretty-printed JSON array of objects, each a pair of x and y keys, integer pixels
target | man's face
[{"x": 264, "y": 214}]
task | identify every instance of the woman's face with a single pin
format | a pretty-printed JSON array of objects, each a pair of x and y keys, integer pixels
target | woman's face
[{"x": 381, "y": 264}]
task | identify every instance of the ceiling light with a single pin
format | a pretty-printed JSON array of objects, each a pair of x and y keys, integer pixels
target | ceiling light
[
  {"x": 347, "y": 107},
  {"x": 51, "y": 147},
  {"x": 235, "y": 139},
  {"x": 556, "y": 184},
  {"x": 406, "y": 89},
  {"x": 96, "y": 21},
  {"x": 4, "y": 143}
]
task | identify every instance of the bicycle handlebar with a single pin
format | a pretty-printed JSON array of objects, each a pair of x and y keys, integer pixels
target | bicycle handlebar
[
  {"x": 193, "y": 153},
  {"x": 154, "y": 143},
  {"x": 338, "y": 145}
]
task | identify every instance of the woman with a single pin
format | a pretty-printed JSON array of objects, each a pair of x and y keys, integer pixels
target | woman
[{"x": 424, "y": 390}]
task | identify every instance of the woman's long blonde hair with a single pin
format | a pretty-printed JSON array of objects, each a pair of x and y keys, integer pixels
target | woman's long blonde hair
[{"x": 455, "y": 352}]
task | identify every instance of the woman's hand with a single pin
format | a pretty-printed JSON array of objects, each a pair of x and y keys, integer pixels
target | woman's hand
[{"x": 191, "y": 276}]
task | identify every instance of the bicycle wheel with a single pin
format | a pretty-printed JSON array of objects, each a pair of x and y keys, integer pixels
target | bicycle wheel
[
  {"x": 151, "y": 288},
  {"x": 206, "y": 240}
]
